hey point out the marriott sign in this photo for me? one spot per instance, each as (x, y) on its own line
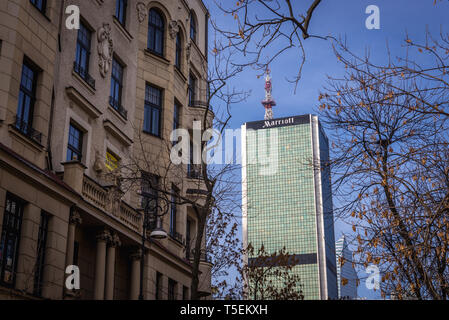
(275, 123)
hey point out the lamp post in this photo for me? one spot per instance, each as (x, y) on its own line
(152, 214)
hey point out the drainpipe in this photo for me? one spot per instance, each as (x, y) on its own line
(55, 89)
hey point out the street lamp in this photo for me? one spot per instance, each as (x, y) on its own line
(152, 220)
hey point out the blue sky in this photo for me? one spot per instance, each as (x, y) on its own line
(344, 18)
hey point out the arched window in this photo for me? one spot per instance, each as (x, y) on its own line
(192, 27)
(155, 32)
(178, 53)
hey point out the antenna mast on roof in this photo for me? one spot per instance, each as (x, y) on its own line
(268, 102)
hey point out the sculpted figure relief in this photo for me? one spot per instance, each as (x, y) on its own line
(188, 46)
(105, 49)
(173, 28)
(141, 11)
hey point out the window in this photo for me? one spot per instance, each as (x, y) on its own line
(9, 243)
(176, 121)
(173, 212)
(194, 169)
(112, 161)
(40, 5)
(176, 115)
(40, 259)
(178, 52)
(153, 110)
(158, 294)
(81, 65)
(192, 27)
(192, 89)
(195, 164)
(75, 144)
(188, 228)
(120, 11)
(185, 293)
(171, 289)
(149, 187)
(190, 164)
(27, 98)
(155, 32)
(115, 99)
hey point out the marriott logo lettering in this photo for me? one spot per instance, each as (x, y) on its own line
(275, 123)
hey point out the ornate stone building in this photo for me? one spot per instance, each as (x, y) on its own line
(74, 105)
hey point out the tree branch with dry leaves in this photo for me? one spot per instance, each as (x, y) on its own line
(390, 165)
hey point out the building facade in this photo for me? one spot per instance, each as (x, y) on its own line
(287, 198)
(347, 278)
(75, 105)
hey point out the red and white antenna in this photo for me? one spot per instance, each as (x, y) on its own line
(268, 102)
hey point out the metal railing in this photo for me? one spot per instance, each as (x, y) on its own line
(26, 129)
(84, 74)
(117, 106)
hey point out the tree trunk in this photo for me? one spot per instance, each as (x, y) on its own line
(194, 295)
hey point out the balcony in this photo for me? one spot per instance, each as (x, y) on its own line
(198, 104)
(27, 130)
(204, 256)
(84, 74)
(118, 107)
(197, 108)
(177, 237)
(104, 199)
(205, 266)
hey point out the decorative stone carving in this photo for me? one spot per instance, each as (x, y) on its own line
(115, 240)
(104, 235)
(99, 166)
(75, 218)
(105, 49)
(136, 255)
(173, 28)
(141, 11)
(114, 196)
(188, 46)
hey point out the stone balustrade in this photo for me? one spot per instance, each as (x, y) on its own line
(94, 193)
(101, 198)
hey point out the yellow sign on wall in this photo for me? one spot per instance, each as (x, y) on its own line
(111, 161)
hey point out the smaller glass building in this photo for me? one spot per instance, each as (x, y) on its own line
(346, 275)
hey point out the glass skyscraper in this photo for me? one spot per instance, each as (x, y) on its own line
(287, 198)
(346, 275)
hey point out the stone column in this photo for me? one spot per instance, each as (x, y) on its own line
(74, 221)
(135, 275)
(27, 248)
(55, 255)
(147, 276)
(110, 267)
(100, 264)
